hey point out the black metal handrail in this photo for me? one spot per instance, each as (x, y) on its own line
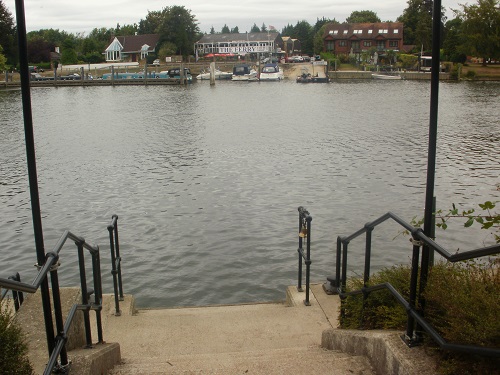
(304, 232)
(57, 344)
(419, 239)
(116, 263)
(18, 297)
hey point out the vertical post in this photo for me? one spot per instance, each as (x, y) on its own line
(85, 295)
(54, 280)
(32, 172)
(308, 258)
(368, 254)
(299, 284)
(113, 270)
(118, 257)
(338, 263)
(344, 266)
(212, 73)
(410, 338)
(96, 268)
(431, 156)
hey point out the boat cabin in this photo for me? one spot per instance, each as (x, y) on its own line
(241, 70)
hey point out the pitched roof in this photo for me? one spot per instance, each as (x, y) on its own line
(378, 30)
(228, 38)
(134, 43)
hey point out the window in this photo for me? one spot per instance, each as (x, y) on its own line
(335, 32)
(393, 43)
(330, 32)
(370, 31)
(342, 43)
(396, 31)
(358, 31)
(345, 31)
(367, 44)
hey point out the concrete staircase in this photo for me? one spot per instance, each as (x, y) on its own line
(267, 338)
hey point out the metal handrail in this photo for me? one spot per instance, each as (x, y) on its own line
(57, 344)
(116, 263)
(419, 239)
(304, 232)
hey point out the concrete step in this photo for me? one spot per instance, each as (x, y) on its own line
(305, 360)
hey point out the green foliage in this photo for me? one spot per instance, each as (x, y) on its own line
(462, 302)
(486, 217)
(13, 348)
(3, 60)
(469, 314)
(480, 29)
(407, 61)
(362, 16)
(178, 26)
(8, 35)
(381, 310)
(225, 29)
(255, 29)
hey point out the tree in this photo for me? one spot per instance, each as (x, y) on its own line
(235, 30)
(68, 53)
(452, 41)
(39, 49)
(480, 29)
(263, 28)
(317, 33)
(8, 35)
(302, 31)
(3, 60)
(151, 24)
(255, 29)
(212, 30)
(362, 16)
(179, 26)
(225, 29)
(128, 30)
(288, 30)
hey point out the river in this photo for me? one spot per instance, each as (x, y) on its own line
(206, 181)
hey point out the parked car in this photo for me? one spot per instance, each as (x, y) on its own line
(70, 77)
(35, 69)
(295, 59)
(306, 58)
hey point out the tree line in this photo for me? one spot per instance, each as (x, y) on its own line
(474, 30)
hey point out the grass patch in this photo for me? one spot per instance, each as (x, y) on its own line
(462, 302)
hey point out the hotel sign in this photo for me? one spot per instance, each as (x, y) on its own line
(244, 49)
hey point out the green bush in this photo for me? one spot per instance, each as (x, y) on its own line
(13, 348)
(381, 310)
(471, 74)
(462, 301)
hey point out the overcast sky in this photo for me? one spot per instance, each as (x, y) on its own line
(84, 16)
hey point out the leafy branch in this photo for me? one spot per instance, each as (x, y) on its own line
(486, 217)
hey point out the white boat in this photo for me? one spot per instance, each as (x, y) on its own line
(271, 72)
(244, 72)
(386, 76)
(218, 74)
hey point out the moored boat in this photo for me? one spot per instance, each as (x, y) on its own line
(243, 72)
(271, 72)
(218, 74)
(385, 76)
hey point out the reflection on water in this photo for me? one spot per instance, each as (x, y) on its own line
(207, 180)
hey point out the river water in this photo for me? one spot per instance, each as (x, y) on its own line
(207, 180)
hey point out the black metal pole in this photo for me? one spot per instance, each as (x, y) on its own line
(32, 174)
(431, 155)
